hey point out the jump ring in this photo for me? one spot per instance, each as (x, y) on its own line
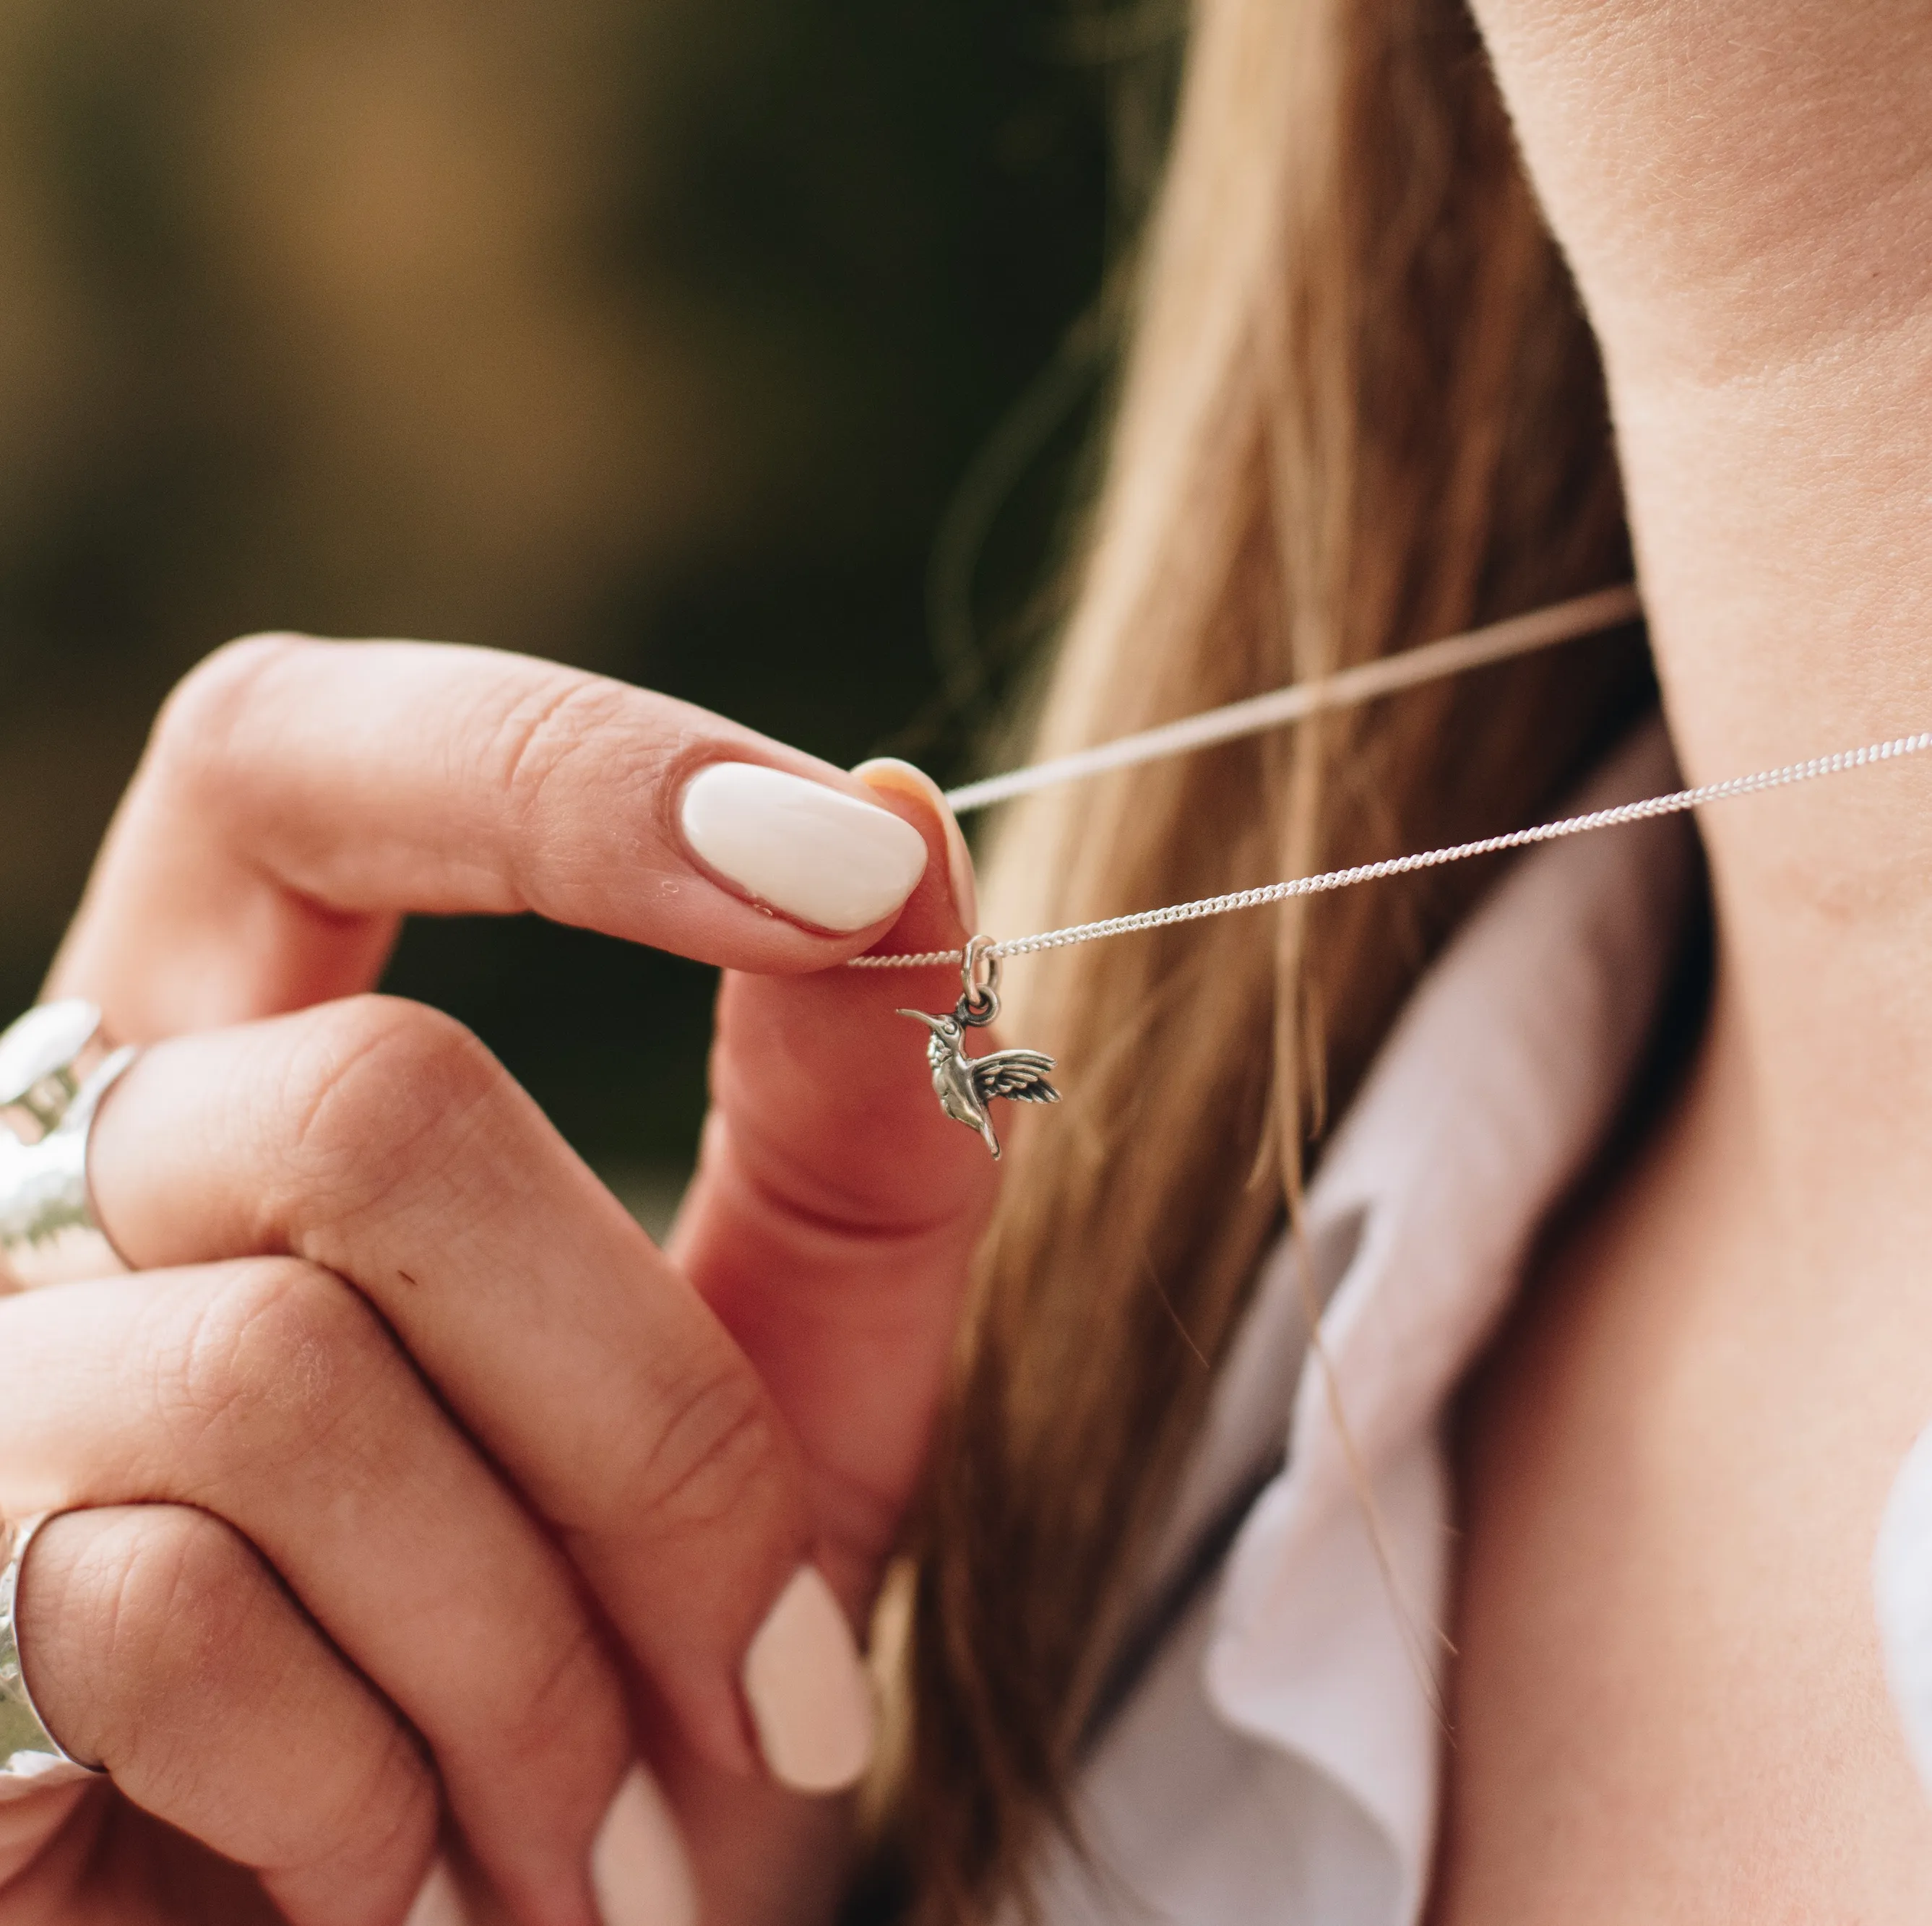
(980, 969)
(31, 1760)
(980, 981)
(52, 1073)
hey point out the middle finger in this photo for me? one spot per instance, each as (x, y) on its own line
(380, 1140)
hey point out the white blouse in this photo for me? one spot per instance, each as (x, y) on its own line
(1278, 1758)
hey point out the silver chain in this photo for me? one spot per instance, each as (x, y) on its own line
(1672, 804)
(1346, 688)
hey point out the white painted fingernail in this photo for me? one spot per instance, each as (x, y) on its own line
(1902, 1586)
(827, 859)
(811, 1699)
(439, 1903)
(638, 1868)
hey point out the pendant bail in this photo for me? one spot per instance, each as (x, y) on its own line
(979, 980)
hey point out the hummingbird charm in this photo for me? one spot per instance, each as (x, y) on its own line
(965, 1085)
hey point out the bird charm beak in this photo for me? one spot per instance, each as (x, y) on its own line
(966, 1085)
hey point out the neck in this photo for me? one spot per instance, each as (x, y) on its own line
(1780, 524)
(1763, 296)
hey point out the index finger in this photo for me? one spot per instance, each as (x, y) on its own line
(298, 798)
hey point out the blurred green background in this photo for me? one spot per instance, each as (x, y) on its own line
(750, 350)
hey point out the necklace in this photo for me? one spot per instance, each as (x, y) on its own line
(1498, 642)
(967, 1085)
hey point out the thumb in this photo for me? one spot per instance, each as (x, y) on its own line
(835, 1209)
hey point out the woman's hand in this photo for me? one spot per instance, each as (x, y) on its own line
(409, 1486)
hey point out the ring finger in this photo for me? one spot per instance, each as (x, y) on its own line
(266, 1394)
(163, 1649)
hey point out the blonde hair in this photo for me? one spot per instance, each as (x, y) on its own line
(1361, 409)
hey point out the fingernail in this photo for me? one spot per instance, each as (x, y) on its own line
(639, 1871)
(827, 859)
(439, 1903)
(811, 1700)
(889, 772)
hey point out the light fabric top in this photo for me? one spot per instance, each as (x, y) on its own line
(1278, 1757)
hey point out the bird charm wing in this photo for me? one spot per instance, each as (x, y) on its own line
(1018, 1074)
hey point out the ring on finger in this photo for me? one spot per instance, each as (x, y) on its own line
(31, 1760)
(55, 1068)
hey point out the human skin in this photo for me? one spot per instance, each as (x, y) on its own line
(421, 1493)
(1670, 1705)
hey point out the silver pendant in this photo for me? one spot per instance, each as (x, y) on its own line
(966, 1085)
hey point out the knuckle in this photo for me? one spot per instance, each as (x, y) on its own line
(384, 1814)
(380, 1092)
(716, 1451)
(156, 1600)
(564, 1720)
(155, 1611)
(187, 1600)
(195, 732)
(276, 1353)
(544, 731)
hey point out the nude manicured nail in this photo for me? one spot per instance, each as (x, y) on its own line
(638, 1868)
(806, 1685)
(812, 853)
(439, 1903)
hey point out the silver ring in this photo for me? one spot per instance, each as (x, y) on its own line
(55, 1068)
(31, 1760)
